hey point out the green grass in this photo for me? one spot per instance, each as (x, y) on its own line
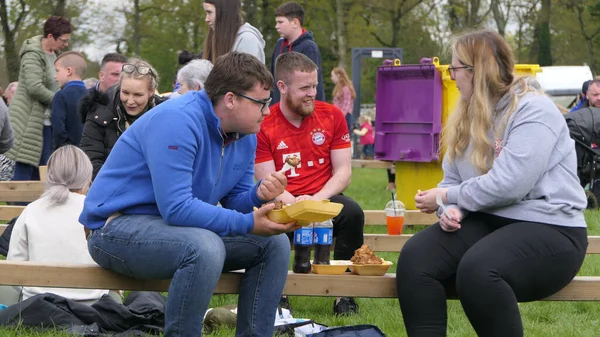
(540, 319)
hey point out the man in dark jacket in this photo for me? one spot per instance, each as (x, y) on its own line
(289, 19)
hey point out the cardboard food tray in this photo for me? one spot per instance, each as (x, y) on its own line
(371, 269)
(335, 267)
(307, 211)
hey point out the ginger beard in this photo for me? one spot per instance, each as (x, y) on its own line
(302, 107)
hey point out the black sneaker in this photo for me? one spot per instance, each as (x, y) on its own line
(345, 307)
(284, 303)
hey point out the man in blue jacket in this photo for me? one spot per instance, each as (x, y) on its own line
(151, 212)
(289, 19)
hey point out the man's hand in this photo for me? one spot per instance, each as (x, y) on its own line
(304, 197)
(272, 186)
(265, 227)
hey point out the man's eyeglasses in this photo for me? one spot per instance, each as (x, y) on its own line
(142, 70)
(452, 70)
(63, 40)
(265, 104)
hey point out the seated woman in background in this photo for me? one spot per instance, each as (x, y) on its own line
(108, 115)
(48, 230)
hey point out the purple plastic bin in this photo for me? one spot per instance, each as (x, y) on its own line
(408, 113)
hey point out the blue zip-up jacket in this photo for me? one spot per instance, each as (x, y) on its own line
(173, 162)
(66, 124)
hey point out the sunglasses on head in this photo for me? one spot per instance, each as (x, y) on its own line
(142, 70)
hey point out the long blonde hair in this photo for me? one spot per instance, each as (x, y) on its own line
(492, 66)
(343, 81)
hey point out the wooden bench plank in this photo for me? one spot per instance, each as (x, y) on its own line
(7, 213)
(21, 190)
(394, 243)
(411, 217)
(372, 217)
(372, 164)
(582, 288)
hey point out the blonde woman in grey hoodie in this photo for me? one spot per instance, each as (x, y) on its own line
(510, 205)
(228, 32)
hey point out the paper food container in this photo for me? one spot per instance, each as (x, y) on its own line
(307, 211)
(336, 267)
(371, 269)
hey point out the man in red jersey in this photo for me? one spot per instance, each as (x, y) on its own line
(316, 132)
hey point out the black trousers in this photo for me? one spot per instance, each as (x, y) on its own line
(491, 264)
(348, 228)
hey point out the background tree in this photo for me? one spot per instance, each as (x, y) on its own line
(467, 14)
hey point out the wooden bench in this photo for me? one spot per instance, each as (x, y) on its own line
(582, 288)
(31, 190)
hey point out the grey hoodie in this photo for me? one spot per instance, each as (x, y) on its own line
(534, 175)
(250, 40)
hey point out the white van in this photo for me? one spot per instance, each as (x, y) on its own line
(563, 83)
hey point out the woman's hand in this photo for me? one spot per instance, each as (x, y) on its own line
(425, 200)
(452, 223)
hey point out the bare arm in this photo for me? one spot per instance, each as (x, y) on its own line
(341, 163)
(265, 169)
(362, 132)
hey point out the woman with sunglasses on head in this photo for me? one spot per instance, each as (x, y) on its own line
(511, 223)
(108, 115)
(228, 32)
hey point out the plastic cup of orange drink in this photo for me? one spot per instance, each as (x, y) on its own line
(394, 214)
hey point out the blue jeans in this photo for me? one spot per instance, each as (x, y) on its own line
(146, 247)
(368, 151)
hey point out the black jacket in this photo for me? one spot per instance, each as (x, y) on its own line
(105, 120)
(304, 44)
(142, 313)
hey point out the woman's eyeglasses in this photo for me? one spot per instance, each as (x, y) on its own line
(265, 104)
(452, 70)
(142, 70)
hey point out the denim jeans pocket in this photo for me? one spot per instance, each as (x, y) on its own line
(111, 262)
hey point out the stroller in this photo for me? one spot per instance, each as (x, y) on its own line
(584, 128)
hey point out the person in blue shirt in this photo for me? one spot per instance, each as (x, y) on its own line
(583, 101)
(151, 212)
(67, 127)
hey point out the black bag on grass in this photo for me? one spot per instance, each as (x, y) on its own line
(363, 330)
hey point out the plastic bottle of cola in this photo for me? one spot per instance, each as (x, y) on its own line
(303, 240)
(323, 233)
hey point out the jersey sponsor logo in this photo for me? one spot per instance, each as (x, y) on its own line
(346, 138)
(318, 136)
(282, 145)
(292, 172)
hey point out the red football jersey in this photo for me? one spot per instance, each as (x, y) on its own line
(323, 131)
